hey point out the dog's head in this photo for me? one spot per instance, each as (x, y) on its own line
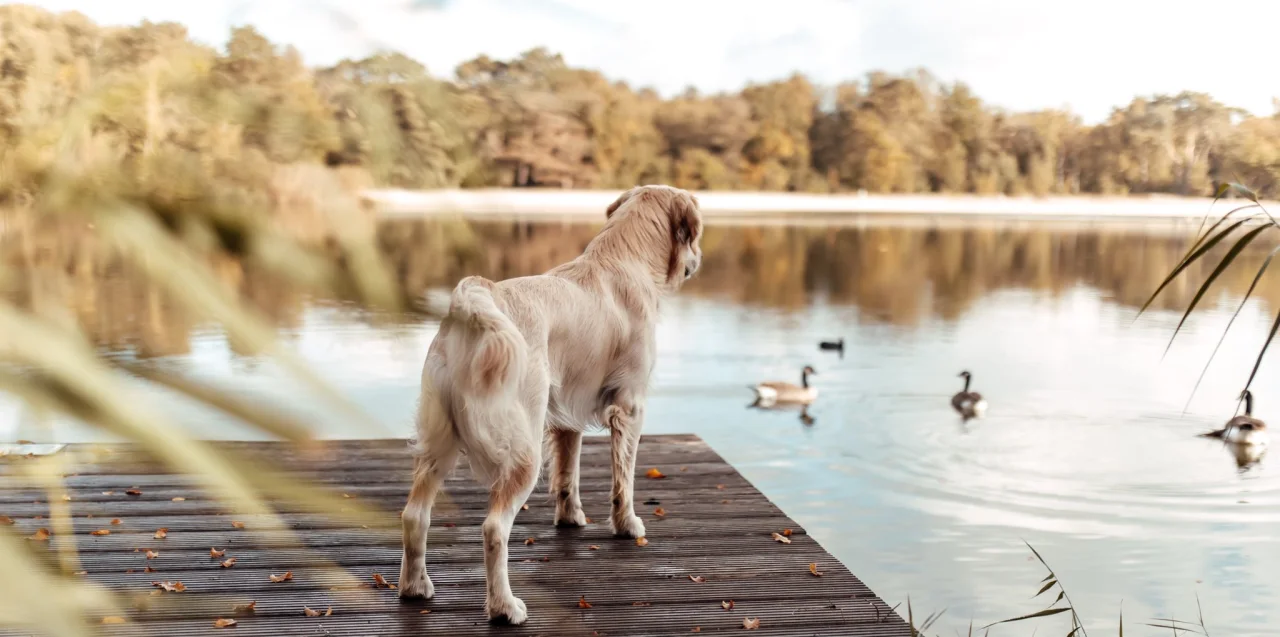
(671, 217)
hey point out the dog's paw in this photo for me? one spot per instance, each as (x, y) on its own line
(630, 526)
(573, 517)
(416, 587)
(510, 610)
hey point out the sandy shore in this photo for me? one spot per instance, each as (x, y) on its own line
(747, 206)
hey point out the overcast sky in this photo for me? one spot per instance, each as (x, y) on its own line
(1089, 55)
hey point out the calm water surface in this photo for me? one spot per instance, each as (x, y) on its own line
(1086, 451)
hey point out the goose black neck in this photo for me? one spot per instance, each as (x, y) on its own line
(967, 378)
(804, 378)
(1248, 403)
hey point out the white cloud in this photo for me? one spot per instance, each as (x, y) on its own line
(1088, 54)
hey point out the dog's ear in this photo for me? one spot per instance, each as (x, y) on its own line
(686, 222)
(613, 207)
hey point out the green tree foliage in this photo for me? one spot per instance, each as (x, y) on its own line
(156, 96)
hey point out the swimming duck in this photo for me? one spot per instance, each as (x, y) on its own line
(780, 392)
(970, 404)
(1243, 430)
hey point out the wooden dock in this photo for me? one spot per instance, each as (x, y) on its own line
(711, 561)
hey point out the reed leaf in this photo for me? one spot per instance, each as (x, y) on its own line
(1213, 276)
(1199, 252)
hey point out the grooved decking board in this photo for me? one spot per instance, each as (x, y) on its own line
(716, 526)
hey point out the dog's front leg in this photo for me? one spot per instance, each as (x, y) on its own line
(566, 449)
(624, 419)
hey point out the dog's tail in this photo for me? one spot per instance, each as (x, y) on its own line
(498, 349)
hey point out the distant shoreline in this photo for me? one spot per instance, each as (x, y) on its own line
(755, 207)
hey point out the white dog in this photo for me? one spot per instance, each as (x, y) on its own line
(552, 354)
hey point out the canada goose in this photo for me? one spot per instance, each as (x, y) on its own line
(780, 392)
(1243, 430)
(837, 346)
(970, 404)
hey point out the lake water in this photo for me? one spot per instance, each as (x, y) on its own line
(1086, 452)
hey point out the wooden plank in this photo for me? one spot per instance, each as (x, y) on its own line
(715, 525)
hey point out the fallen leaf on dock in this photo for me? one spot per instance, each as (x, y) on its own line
(224, 623)
(642, 542)
(424, 612)
(381, 582)
(310, 613)
(642, 603)
(100, 532)
(216, 553)
(660, 512)
(654, 474)
(528, 541)
(786, 532)
(238, 525)
(151, 555)
(583, 603)
(161, 534)
(781, 538)
(242, 609)
(41, 535)
(750, 623)
(287, 577)
(813, 568)
(179, 499)
(727, 605)
(696, 629)
(133, 492)
(697, 579)
(524, 507)
(6, 520)
(169, 587)
(229, 562)
(594, 547)
(117, 521)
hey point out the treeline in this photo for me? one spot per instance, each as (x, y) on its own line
(149, 96)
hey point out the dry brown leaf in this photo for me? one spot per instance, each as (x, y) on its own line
(786, 532)
(696, 629)
(424, 612)
(112, 619)
(654, 474)
(750, 623)
(148, 570)
(224, 623)
(727, 605)
(720, 486)
(108, 493)
(179, 499)
(41, 535)
(133, 492)
(244, 609)
(6, 520)
(229, 562)
(594, 547)
(528, 541)
(781, 538)
(66, 498)
(697, 579)
(161, 534)
(216, 553)
(151, 555)
(381, 582)
(642, 603)
(81, 573)
(328, 612)
(348, 496)
(170, 587)
(660, 512)
(117, 521)
(310, 613)
(100, 532)
(287, 577)
(583, 603)
(813, 569)
(642, 542)
(238, 525)
(524, 507)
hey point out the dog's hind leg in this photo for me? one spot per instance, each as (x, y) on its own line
(430, 469)
(624, 419)
(566, 449)
(509, 492)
